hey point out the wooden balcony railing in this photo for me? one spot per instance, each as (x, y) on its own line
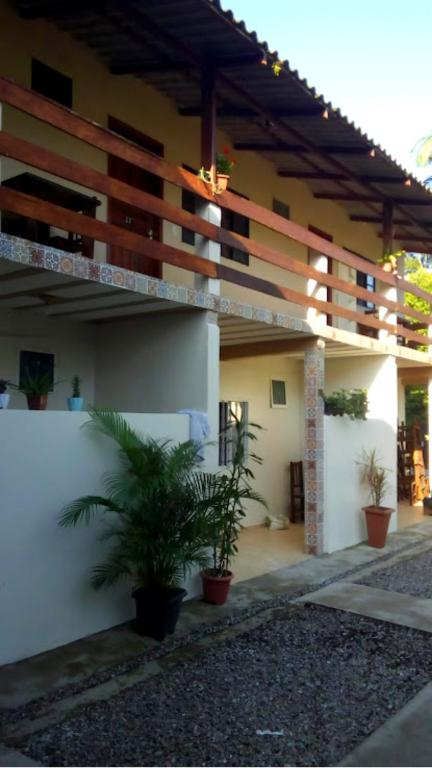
(105, 140)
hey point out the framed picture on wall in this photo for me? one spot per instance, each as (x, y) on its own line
(35, 364)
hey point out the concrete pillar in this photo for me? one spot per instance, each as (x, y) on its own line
(386, 315)
(207, 248)
(314, 449)
(211, 251)
(316, 289)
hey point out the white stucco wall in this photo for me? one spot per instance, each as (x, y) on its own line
(45, 596)
(344, 441)
(161, 363)
(72, 344)
(281, 439)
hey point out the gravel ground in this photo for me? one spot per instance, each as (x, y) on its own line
(321, 679)
(411, 576)
(34, 708)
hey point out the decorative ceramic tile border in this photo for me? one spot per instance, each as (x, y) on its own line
(314, 451)
(45, 257)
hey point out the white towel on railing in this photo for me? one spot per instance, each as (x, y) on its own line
(199, 429)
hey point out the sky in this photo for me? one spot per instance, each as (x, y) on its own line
(372, 59)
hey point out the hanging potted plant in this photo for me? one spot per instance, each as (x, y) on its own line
(375, 478)
(4, 395)
(155, 522)
(224, 495)
(75, 402)
(224, 166)
(389, 261)
(36, 386)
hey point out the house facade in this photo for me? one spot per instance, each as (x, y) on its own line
(120, 264)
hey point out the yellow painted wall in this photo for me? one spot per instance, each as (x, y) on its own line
(97, 94)
(282, 437)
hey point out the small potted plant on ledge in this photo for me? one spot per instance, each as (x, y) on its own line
(389, 261)
(75, 402)
(155, 522)
(4, 395)
(223, 495)
(36, 387)
(224, 166)
(375, 477)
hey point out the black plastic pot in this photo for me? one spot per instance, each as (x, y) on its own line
(427, 505)
(157, 610)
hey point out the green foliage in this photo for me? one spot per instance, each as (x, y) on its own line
(373, 475)
(422, 277)
(352, 403)
(150, 511)
(423, 151)
(416, 405)
(223, 496)
(390, 257)
(39, 383)
(267, 521)
(224, 162)
(76, 386)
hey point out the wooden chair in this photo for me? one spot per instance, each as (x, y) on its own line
(297, 491)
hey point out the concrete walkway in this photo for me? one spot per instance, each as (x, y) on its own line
(48, 688)
(378, 604)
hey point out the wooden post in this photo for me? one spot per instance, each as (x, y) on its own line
(388, 227)
(208, 119)
(389, 292)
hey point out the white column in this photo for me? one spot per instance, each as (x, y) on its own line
(316, 289)
(206, 248)
(387, 315)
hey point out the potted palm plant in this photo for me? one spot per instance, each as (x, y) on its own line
(75, 402)
(224, 495)
(224, 166)
(375, 477)
(36, 386)
(155, 522)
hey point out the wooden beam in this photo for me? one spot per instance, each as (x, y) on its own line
(19, 274)
(248, 112)
(327, 307)
(148, 67)
(327, 175)
(410, 238)
(32, 208)
(369, 198)
(43, 159)
(263, 348)
(60, 7)
(378, 220)
(300, 148)
(388, 228)
(208, 119)
(42, 290)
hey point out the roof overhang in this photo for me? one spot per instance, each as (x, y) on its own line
(170, 44)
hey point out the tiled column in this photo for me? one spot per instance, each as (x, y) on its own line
(314, 449)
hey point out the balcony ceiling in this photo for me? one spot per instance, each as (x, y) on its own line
(167, 43)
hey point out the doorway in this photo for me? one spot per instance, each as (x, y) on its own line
(128, 216)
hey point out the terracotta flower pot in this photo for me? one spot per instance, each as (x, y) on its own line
(222, 181)
(215, 588)
(377, 522)
(37, 402)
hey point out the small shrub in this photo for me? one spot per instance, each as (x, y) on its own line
(352, 403)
